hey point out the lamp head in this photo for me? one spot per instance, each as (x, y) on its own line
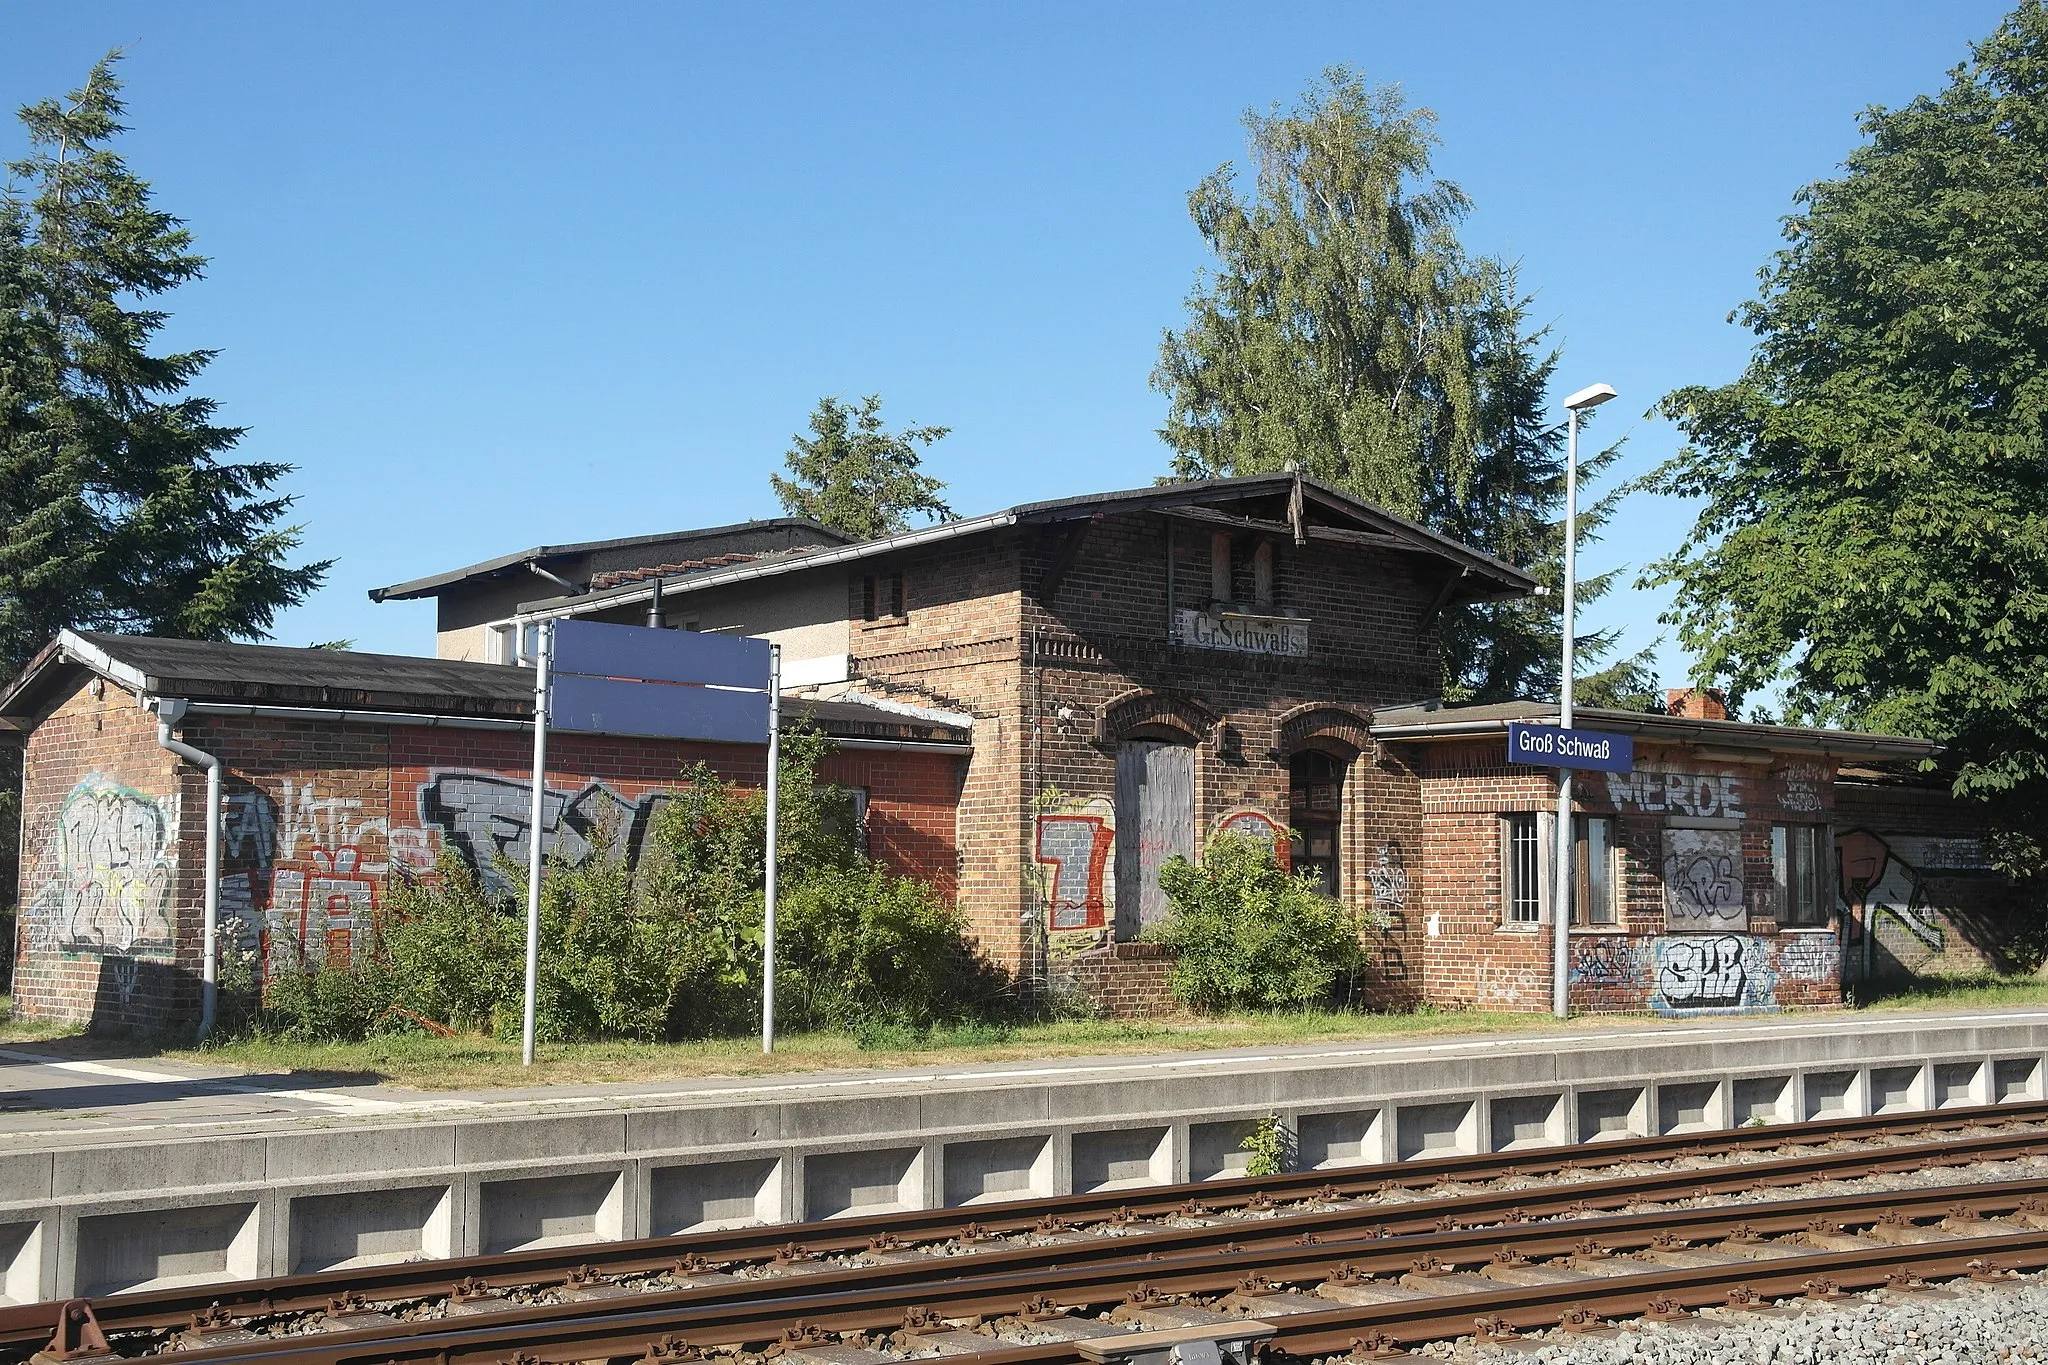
(1591, 396)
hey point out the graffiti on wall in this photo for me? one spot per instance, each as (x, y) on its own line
(1884, 891)
(1075, 847)
(1813, 958)
(1607, 962)
(1389, 877)
(1713, 972)
(1710, 795)
(107, 889)
(1703, 880)
(1804, 781)
(486, 818)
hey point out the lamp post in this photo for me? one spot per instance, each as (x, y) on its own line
(1560, 907)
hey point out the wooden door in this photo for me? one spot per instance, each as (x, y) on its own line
(1155, 819)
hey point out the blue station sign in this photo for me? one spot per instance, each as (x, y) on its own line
(1551, 746)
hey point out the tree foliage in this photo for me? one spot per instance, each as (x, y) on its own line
(118, 507)
(1875, 536)
(1346, 332)
(856, 476)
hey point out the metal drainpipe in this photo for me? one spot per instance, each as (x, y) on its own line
(169, 711)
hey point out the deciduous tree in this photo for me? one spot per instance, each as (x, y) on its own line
(1874, 542)
(1345, 331)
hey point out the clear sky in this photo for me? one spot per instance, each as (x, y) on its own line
(494, 275)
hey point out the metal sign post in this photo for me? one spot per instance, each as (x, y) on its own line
(544, 652)
(593, 677)
(774, 790)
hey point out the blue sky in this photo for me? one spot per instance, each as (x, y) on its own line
(495, 275)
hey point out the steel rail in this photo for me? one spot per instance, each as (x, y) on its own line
(875, 1298)
(167, 1308)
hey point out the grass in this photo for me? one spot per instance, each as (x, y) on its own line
(473, 1062)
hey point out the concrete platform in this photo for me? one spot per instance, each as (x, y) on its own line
(125, 1175)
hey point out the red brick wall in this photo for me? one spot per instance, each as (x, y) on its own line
(103, 869)
(318, 815)
(1117, 981)
(1639, 964)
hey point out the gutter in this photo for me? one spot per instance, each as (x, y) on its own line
(252, 709)
(169, 711)
(1898, 748)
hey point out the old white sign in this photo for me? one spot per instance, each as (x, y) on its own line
(1243, 633)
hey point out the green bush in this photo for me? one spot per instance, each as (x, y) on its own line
(672, 952)
(1250, 936)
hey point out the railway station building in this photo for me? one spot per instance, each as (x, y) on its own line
(1039, 706)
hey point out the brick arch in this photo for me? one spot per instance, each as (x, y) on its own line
(1144, 711)
(1323, 725)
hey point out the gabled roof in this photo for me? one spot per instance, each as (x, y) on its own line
(1476, 575)
(1435, 721)
(795, 528)
(331, 680)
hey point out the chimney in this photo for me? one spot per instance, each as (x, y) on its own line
(1695, 704)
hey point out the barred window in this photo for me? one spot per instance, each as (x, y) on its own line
(1798, 866)
(1524, 869)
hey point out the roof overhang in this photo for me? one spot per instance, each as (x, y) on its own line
(1729, 740)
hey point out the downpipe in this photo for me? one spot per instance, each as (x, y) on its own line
(169, 711)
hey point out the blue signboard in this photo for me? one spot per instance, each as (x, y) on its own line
(602, 650)
(660, 684)
(1548, 746)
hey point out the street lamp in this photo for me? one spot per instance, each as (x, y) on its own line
(1560, 911)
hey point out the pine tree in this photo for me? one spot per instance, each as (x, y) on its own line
(855, 476)
(118, 508)
(1346, 332)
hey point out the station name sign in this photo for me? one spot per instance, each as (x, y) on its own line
(1551, 746)
(1244, 633)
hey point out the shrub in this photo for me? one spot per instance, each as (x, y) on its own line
(1249, 935)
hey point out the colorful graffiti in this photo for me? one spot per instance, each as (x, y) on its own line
(1709, 795)
(1719, 972)
(108, 889)
(1703, 880)
(1074, 844)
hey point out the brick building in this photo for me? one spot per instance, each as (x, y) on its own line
(1043, 705)
(340, 772)
(1145, 668)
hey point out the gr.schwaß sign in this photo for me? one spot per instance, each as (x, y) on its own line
(1550, 746)
(1244, 633)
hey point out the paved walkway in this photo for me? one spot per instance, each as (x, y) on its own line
(47, 1099)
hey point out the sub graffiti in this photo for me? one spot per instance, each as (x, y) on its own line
(1722, 972)
(1256, 824)
(110, 895)
(1804, 783)
(1702, 794)
(1703, 880)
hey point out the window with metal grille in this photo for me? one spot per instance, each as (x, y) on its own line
(1524, 869)
(1798, 866)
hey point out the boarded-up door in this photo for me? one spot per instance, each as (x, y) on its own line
(1155, 819)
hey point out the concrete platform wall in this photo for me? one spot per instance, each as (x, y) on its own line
(94, 1218)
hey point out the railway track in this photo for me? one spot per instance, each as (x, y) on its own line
(1408, 1252)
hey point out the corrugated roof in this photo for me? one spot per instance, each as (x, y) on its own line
(1435, 721)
